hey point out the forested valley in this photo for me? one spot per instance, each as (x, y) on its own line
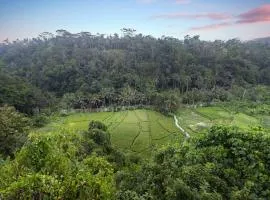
(95, 116)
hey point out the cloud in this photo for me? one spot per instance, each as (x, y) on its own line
(210, 27)
(182, 1)
(260, 14)
(213, 16)
(256, 15)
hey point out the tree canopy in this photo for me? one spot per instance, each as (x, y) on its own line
(90, 71)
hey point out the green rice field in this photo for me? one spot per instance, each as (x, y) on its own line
(136, 130)
(141, 130)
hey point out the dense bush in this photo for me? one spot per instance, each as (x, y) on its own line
(40, 120)
(50, 167)
(13, 130)
(97, 125)
(166, 102)
(223, 164)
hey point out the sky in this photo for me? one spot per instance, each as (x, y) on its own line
(211, 19)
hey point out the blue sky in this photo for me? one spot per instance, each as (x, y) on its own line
(212, 19)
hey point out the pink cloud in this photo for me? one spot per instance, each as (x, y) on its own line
(260, 14)
(211, 27)
(256, 15)
(213, 16)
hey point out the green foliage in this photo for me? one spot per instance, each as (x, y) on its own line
(86, 71)
(166, 102)
(97, 125)
(223, 164)
(97, 132)
(205, 96)
(34, 186)
(23, 96)
(51, 167)
(100, 137)
(13, 130)
(40, 120)
(68, 100)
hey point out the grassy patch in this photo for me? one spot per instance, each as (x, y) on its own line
(214, 113)
(192, 121)
(196, 120)
(244, 121)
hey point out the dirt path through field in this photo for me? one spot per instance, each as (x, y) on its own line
(181, 129)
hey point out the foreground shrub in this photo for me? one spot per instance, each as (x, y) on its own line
(225, 163)
(50, 167)
(13, 130)
(97, 125)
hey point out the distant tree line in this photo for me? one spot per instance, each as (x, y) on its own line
(83, 70)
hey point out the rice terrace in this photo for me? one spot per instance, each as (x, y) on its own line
(141, 130)
(135, 130)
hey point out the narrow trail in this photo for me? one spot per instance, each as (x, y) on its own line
(139, 122)
(149, 130)
(112, 126)
(139, 132)
(181, 129)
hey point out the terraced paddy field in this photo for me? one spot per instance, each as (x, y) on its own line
(141, 130)
(136, 130)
